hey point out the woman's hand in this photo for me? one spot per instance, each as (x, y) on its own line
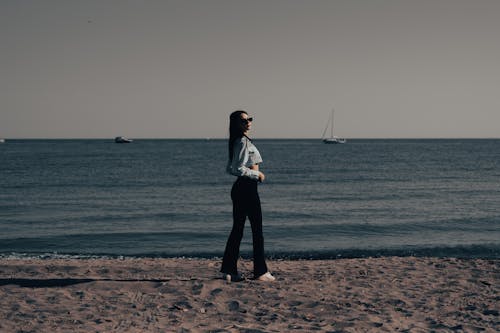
(261, 177)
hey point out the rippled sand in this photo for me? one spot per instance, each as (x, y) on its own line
(187, 295)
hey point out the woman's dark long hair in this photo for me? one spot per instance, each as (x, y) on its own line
(235, 130)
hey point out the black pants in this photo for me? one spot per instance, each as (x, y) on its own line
(246, 202)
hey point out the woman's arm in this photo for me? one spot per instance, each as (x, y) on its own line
(255, 167)
(240, 158)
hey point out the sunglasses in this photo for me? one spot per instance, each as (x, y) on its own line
(246, 121)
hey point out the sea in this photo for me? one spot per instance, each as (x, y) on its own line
(171, 198)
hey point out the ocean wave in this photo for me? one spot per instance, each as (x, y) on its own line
(491, 251)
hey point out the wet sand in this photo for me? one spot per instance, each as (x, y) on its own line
(390, 294)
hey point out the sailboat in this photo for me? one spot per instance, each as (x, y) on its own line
(332, 138)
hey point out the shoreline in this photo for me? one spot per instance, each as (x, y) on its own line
(472, 251)
(386, 294)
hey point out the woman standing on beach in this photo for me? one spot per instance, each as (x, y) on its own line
(244, 159)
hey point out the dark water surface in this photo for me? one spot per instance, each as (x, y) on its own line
(171, 198)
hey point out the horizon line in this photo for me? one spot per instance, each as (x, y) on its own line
(258, 138)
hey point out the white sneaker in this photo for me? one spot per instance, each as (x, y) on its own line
(266, 277)
(232, 277)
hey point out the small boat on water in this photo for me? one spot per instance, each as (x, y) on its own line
(2, 140)
(332, 139)
(122, 139)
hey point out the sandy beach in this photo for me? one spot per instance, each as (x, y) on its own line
(393, 294)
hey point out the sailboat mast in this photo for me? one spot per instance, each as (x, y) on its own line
(333, 110)
(326, 127)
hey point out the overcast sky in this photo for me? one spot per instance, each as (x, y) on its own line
(176, 69)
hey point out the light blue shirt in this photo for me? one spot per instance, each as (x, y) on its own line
(245, 154)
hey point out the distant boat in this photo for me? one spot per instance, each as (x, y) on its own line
(2, 140)
(122, 139)
(332, 139)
